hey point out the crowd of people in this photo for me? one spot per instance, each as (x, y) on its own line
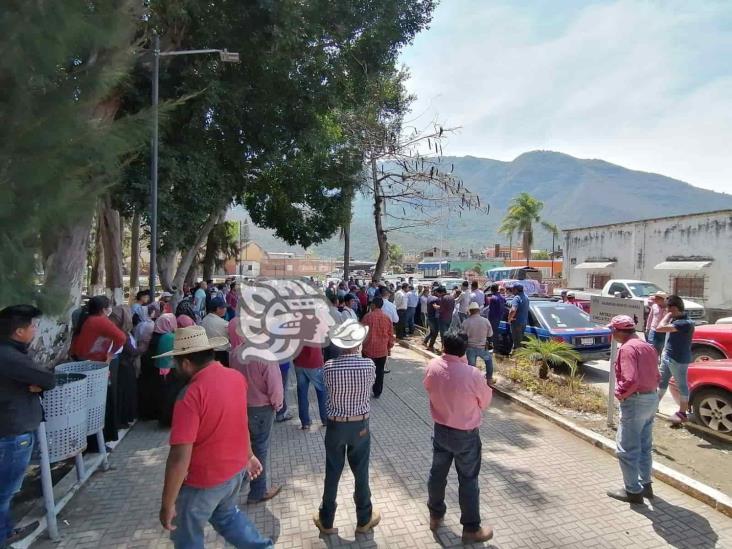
(178, 360)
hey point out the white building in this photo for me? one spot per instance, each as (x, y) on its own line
(689, 255)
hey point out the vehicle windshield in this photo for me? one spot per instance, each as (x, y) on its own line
(565, 316)
(643, 289)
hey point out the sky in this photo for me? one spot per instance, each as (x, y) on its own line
(644, 84)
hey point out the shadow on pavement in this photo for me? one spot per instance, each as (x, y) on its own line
(679, 527)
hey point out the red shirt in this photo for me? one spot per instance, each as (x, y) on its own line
(211, 414)
(380, 338)
(98, 337)
(636, 369)
(458, 392)
(310, 357)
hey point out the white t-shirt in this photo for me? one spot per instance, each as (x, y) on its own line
(216, 327)
(464, 302)
(390, 311)
(400, 300)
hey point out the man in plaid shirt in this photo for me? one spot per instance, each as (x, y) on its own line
(348, 379)
(379, 341)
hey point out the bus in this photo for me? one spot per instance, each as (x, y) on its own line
(514, 273)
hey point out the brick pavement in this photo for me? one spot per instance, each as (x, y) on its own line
(540, 488)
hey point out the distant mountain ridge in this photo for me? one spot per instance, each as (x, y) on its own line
(576, 192)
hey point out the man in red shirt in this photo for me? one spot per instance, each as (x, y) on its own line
(210, 452)
(379, 341)
(309, 370)
(636, 385)
(458, 395)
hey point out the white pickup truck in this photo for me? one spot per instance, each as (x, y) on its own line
(639, 290)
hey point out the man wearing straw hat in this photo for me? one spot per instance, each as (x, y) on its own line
(210, 452)
(349, 379)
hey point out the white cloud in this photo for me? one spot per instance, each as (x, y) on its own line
(647, 85)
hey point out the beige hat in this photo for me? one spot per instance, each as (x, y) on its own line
(348, 335)
(473, 306)
(662, 294)
(193, 339)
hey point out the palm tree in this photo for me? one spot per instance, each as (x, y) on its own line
(523, 212)
(508, 227)
(543, 352)
(554, 231)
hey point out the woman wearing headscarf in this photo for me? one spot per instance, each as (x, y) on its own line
(170, 382)
(185, 314)
(127, 376)
(150, 382)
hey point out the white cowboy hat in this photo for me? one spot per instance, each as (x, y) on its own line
(348, 335)
(193, 339)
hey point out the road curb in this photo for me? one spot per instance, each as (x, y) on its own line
(706, 494)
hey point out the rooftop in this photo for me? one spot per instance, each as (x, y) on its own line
(698, 214)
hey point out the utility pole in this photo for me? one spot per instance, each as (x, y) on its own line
(154, 169)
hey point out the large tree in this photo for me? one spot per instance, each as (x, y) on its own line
(61, 147)
(523, 212)
(264, 133)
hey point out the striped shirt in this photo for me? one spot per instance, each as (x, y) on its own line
(349, 379)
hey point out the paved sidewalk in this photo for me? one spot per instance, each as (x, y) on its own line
(540, 487)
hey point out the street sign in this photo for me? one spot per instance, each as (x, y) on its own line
(603, 309)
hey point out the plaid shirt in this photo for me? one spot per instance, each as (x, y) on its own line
(381, 334)
(349, 379)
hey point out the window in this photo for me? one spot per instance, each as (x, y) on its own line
(249, 268)
(597, 281)
(617, 287)
(688, 286)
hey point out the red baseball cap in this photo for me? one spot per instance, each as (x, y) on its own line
(622, 322)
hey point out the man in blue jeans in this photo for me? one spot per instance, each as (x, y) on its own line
(518, 316)
(676, 356)
(636, 382)
(210, 452)
(479, 333)
(284, 414)
(309, 370)
(21, 381)
(458, 395)
(349, 379)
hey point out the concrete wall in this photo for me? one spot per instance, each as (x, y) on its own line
(639, 246)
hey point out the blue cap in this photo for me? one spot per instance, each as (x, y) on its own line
(218, 302)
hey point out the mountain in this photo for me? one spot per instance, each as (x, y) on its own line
(576, 192)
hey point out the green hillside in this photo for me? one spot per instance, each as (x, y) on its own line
(575, 192)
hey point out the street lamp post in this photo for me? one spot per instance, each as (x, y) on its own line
(225, 57)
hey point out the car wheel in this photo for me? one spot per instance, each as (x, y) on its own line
(713, 409)
(701, 354)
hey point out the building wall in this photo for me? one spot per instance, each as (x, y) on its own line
(544, 265)
(637, 247)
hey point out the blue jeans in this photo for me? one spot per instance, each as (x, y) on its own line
(217, 505)
(351, 439)
(15, 453)
(635, 440)
(658, 340)
(443, 326)
(669, 367)
(306, 376)
(464, 448)
(285, 371)
(261, 419)
(410, 319)
(472, 355)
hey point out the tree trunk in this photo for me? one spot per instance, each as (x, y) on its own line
(191, 275)
(64, 269)
(135, 255)
(111, 235)
(96, 285)
(526, 242)
(379, 224)
(190, 254)
(209, 258)
(166, 269)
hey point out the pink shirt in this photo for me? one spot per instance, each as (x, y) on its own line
(636, 369)
(264, 381)
(655, 315)
(458, 392)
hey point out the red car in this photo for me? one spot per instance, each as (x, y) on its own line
(712, 342)
(710, 393)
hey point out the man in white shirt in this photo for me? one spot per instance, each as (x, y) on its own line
(216, 326)
(388, 308)
(463, 301)
(412, 302)
(401, 304)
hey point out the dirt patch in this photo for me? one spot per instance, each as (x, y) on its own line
(697, 455)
